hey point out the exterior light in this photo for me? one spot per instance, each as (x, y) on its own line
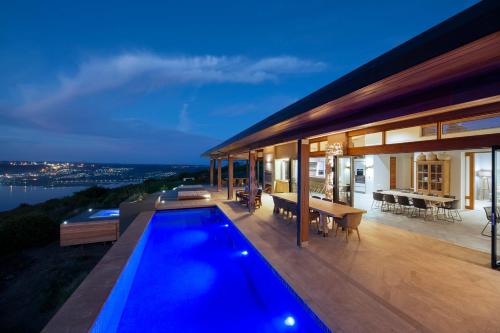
(163, 191)
(163, 201)
(65, 222)
(290, 321)
(90, 209)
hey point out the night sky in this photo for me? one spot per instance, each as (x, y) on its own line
(162, 82)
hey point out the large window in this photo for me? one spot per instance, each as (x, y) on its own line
(371, 139)
(411, 134)
(318, 146)
(471, 126)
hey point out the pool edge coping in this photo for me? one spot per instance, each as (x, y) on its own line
(82, 308)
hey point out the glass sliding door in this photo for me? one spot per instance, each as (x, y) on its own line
(495, 204)
(344, 180)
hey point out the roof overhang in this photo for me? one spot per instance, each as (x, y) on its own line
(456, 62)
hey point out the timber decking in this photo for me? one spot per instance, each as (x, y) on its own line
(392, 281)
(89, 232)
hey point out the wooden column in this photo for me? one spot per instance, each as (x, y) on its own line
(230, 178)
(211, 172)
(219, 174)
(303, 193)
(252, 186)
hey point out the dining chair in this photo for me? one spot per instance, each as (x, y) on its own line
(347, 223)
(378, 200)
(403, 205)
(450, 209)
(488, 210)
(389, 202)
(291, 209)
(276, 208)
(419, 205)
(314, 217)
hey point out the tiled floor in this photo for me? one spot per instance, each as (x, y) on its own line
(465, 233)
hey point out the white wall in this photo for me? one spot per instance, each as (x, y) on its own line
(403, 170)
(457, 175)
(377, 178)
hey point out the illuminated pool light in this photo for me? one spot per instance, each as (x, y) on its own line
(290, 321)
(225, 225)
(245, 252)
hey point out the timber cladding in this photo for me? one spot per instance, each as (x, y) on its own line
(89, 232)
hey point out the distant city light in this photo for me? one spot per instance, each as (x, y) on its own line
(245, 252)
(290, 321)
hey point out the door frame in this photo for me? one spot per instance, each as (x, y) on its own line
(393, 172)
(472, 189)
(495, 263)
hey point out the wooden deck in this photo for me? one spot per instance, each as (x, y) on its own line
(391, 281)
(89, 232)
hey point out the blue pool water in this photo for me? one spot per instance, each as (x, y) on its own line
(193, 271)
(105, 213)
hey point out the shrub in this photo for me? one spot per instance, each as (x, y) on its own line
(25, 231)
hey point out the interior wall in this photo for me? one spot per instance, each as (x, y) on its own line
(288, 150)
(457, 175)
(377, 178)
(403, 170)
(268, 159)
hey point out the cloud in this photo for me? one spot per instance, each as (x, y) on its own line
(97, 111)
(184, 121)
(144, 71)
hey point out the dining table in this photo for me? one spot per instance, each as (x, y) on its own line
(432, 198)
(325, 209)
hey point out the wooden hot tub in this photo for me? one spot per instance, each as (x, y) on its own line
(91, 227)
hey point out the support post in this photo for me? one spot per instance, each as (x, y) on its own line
(230, 179)
(219, 174)
(252, 188)
(211, 172)
(303, 193)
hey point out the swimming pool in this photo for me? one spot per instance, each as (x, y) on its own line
(193, 271)
(104, 213)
